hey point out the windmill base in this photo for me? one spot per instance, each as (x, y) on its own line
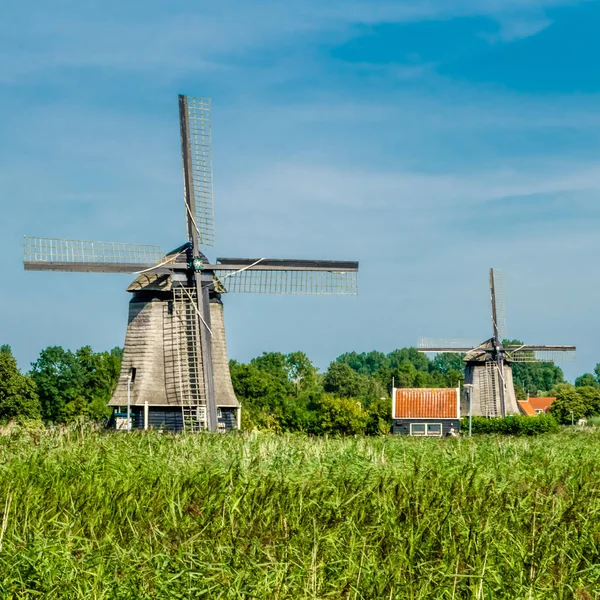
(486, 391)
(158, 363)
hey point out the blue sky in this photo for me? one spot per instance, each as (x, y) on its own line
(429, 140)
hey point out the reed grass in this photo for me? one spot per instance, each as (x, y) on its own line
(147, 515)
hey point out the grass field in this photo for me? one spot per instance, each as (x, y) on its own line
(100, 515)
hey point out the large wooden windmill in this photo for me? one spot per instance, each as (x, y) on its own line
(175, 370)
(488, 365)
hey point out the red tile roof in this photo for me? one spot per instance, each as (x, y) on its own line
(425, 403)
(541, 403)
(526, 408)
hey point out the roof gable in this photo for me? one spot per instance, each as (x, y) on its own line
(541, 403)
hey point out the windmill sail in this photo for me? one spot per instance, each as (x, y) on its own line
(196, 152)
(445, 345)
(497, 298)
(281, 276)
(50, 254)
(527, 353)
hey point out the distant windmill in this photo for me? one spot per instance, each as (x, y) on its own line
(488, 365)
(175, 369)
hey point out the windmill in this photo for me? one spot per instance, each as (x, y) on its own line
(175, 369)
(488, 365)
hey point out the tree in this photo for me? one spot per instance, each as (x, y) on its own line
(338, 416)
(273, 363)
(379, 417)
(73, 384)
(536, 377)
(301, 372)
(447, 362)
(590, 395)
(367, 363)
(587, 379)
(342, 381)
(265, 398)
(569, 405)
(18, 398)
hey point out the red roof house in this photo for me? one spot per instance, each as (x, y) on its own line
(536, 406)
(425, 411)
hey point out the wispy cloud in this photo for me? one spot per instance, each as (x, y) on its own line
(197, 37)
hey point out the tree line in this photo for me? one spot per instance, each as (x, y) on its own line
(279, 392)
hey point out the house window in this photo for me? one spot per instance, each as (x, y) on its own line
(538, 411)
(434, 429)
(418, 429)
(426, 429)
(219, 413)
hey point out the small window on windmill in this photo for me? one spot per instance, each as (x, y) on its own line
(132, 373)
(170, 307)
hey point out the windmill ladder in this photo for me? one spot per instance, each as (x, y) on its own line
(488, 389)
(183, 380)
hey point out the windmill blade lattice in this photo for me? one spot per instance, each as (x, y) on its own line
(283, 281)
(194, 115)
(530, 354)
(440, 345)
(52, 254)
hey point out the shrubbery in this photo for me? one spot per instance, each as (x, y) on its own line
(512, 425)
(286, 393)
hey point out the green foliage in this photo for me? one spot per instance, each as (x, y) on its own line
(338, 416)
(512, 425)
(448, 362)
(535, 377)
(18, 397)
(586, 380)
(148, 516)
(343, 381)
(573, 403)
(75, 384)
(379, 417)
(407, 367)
(275, 391)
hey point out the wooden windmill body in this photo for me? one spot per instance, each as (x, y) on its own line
(488, 365)
(175, 369)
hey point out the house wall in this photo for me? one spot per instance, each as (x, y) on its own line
(228, 417)
(402, 426)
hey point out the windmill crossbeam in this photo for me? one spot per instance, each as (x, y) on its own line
(531, 348)
(84, 267)
(442, 350)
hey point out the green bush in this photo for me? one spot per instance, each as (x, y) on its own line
(338, 416)
(512, 425)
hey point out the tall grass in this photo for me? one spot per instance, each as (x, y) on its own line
(101, 515)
